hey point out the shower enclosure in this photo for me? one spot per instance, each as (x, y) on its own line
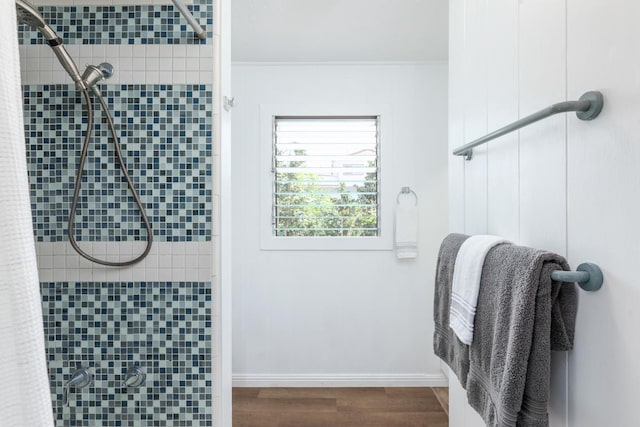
(114, 165)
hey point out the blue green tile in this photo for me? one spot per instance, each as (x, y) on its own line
(143, 24)
(166, 138)
(162, 327)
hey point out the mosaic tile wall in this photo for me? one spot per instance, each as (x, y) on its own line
(165, 134)
(163, 327)
(143, 24)
(158, 314)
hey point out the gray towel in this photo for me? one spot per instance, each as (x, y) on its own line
(521, 316)
(446, 344)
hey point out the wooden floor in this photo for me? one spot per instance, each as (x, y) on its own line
(340, 407)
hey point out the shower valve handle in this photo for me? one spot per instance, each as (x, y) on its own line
(80, 379)
(134, 377)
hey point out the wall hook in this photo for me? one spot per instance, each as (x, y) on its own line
(228, 103)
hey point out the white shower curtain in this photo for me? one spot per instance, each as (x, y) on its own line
(25, 399)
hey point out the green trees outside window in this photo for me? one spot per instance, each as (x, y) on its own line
(304, 205)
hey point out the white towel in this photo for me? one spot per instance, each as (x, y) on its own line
(406, 231)
(25, 399)
(466, 283)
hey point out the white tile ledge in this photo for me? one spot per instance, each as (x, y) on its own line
(167, 261)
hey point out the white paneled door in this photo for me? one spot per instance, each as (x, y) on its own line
(561, 184)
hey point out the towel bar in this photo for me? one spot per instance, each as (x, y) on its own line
(588, 276)
(587, 108)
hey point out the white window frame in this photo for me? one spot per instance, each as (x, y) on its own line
(384, 240)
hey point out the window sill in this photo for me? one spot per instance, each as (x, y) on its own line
(326, 244)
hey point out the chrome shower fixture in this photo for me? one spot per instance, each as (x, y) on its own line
(79, 379)
(28, 14)
(93, 74)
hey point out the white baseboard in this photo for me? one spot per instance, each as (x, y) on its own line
(340, 380)
(445, 369)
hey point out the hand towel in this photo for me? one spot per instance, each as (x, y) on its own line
(25, 399)
(446, 344)
(522, 315)
(466, 283)
(406, 230)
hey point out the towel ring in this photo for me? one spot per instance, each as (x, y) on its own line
(406, 190)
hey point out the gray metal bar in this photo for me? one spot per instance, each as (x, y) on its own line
(570, 276)
(587, 107)
(588, 276)
(200, 32)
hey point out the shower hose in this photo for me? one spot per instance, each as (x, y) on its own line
(123, 168)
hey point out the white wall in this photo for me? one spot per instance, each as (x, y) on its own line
(361, 30)
(561, 184)
(354, 317)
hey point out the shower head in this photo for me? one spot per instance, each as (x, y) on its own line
(28, 14)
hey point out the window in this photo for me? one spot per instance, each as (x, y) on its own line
(325, 176)
(322, 185)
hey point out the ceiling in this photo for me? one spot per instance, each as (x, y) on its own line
(339, 30)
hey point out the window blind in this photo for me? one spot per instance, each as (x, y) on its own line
(325, 176)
